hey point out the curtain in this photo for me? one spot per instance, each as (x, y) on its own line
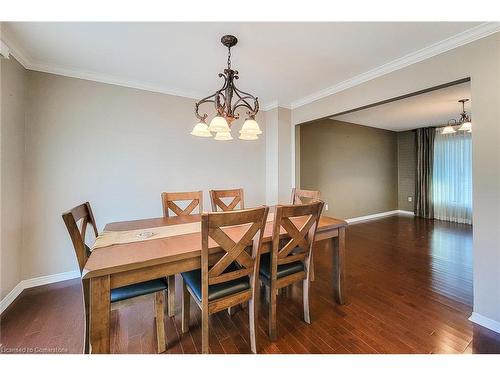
(424, 140)
(452, 177)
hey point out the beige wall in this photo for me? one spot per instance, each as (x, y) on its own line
(13, 79)
(354, 167)
(118, 148)
(278, 155)
(285, 152)
(479, 60)
(406, 170)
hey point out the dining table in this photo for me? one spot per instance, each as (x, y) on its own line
(122, 264)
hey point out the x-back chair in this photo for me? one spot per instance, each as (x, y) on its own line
(83, 213)
(289, 260)
(230, 278)
(300, 196)
(196, 201)
(218, 204)
(194, 207)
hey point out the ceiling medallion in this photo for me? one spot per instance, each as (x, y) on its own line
(226, 108)
(465, 121)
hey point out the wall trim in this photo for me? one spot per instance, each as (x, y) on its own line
(378, 215)
(491, 324)
(36, 281)
(28, 63)
(468, 36)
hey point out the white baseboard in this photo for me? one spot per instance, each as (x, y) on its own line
(36, 281)
(403, 212)
(485, 322)
(379, 215)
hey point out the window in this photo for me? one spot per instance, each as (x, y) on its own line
(452, 177)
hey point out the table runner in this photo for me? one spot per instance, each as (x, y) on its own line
(108, 238)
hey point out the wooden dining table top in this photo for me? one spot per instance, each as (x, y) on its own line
(123, 257)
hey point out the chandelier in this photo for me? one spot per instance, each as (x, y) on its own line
(464, 121)
(227, 100)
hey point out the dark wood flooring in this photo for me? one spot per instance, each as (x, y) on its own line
(410, 291)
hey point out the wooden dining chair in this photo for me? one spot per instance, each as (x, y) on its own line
(195, 199)
(289, 260)
(300, 196)
(83, 214)
(216, 197)
(169, 200)
(230, 278)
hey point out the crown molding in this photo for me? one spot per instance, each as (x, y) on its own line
(465, 37)
(112, 80)
(30, 64)
(273, 105)
(4, 50)
(458, 40)
(15, 51)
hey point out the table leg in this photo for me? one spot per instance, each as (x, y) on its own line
(171, 295)
(339, 266)
(100, 311)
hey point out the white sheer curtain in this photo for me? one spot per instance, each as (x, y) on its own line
(452, 177)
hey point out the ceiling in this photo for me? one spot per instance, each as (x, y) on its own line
(279, 62)
(433, 108)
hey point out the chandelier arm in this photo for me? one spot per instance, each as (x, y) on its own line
(243, 103)
(242, 98)
(241, 92)
(207, 99)
(246, 95)
(250, 111)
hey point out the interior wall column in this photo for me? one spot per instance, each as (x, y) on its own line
(278, 151)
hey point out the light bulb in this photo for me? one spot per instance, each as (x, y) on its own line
(201, 130)
(248, 137)
(250, 127)
(466, 127)
(218, 124)
(223, 136)
(448, 130)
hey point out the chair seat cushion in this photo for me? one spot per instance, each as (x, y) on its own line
(139, 289)
(216, 291)
(283, 269)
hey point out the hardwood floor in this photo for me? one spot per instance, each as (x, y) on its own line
(409, 291)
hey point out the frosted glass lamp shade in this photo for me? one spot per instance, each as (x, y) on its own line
(219, 124)
(223, 136)
(466, 127)
(250, 126)
(201, 130)
(248, 137)
(448, 130)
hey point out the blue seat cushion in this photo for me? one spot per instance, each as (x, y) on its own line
(283, 269)
(216, 291)
(139, 289)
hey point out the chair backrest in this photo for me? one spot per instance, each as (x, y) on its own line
(169, 199)
(304, 196)
(299, 246)
(252, 222)
(71, 218)
(217, 202)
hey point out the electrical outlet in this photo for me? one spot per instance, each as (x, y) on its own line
(326, 206)
(410, 199)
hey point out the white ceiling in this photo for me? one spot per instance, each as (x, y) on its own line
(434, 108)
(279, 62)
